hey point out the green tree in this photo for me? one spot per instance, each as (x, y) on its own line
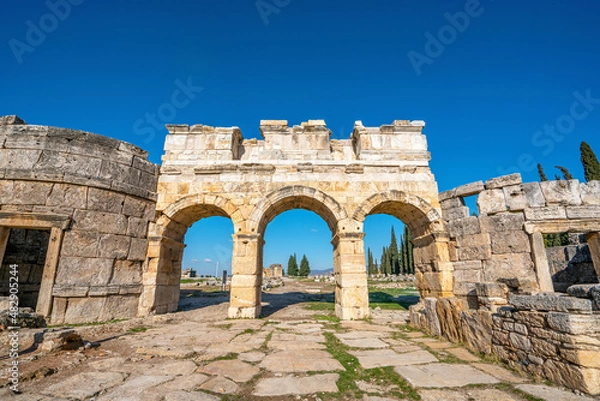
(565, 172)
(591, 166)
(385, 262)
(541, 173)
(393, 250)
(410, 263)
(304, 267)
(292, 266)
(370, 264)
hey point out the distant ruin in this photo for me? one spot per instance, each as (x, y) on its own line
(99, 231)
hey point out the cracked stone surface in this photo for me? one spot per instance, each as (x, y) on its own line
(283, 356)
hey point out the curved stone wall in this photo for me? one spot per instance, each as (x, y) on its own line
(96, 196)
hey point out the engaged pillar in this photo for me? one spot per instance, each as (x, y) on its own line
(246, 268)
(351, 291)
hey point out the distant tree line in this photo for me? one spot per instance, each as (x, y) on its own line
(591, 171)
(294, 270)
(394, 259)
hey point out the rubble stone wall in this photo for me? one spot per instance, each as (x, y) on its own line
(96, 195)
(504, 301)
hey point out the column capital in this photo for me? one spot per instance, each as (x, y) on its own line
(347, 236)
(247, 237)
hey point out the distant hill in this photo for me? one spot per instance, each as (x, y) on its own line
(321, 272)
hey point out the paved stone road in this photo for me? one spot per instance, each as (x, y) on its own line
(294, 354)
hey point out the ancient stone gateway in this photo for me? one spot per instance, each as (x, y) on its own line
(209, 171)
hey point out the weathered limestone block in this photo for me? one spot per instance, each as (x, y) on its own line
(81, 244)
(574, 324)
(474, 247)
(504, 181)
(74, 271)
(546, 213)
(430, 310)
(471, 189)
(448, 311)
(553, 302)
(137, 249)
(464, 226)
(573, 376)
(510, 242)
(476, 329)
(492, 290)
(134, 207)
(137, 227)
(114, 246)
(28, 193)
(562, 192)
(515, 198)
(534, 195)
(456, 213)
(589, 358)
(583, 212)
(452, 203)
(106, 223)
(502, 222)
(11, 120)
(590, 193)
(71, 196)
(509, 265)
(105, 201)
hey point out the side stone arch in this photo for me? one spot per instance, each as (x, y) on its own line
(433, 269)
(162, 269)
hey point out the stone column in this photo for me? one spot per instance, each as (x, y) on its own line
(44, 303)
(594, 245)
(246, 283)
(351, 291)
(540, 261)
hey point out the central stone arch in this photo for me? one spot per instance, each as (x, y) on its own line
(214, 171)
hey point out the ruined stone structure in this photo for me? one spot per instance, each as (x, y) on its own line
(98, 233)
(74, 213)
(210, 171)
(504, 301)
(275, 270)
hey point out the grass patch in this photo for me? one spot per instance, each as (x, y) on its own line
(138, 329)
(393, 298)
(328, 318)
(353, 372)
(320, 306)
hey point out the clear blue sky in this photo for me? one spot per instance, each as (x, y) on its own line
(486, 96)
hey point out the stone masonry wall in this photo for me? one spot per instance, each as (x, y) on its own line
(98, 196)
(504, 302)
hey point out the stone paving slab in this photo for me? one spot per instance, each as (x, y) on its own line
(435, 344)
(190, 396)
(254, 356)
(407, 348)
(472, 394)
(187, 383)
(133, 388)
(385, 357)
(463, 354)
(289, 385)
(444, 375)
(235, 370)
(301, 361)
(551, 393)
(365, 343)
(500, 373)
(220, 385)
(84, 385)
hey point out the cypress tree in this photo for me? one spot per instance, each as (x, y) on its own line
(394, 265)
(304, 267)
(409, 251)
(541, 173)
(565, 172)
(591, 166)
(292, 266)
